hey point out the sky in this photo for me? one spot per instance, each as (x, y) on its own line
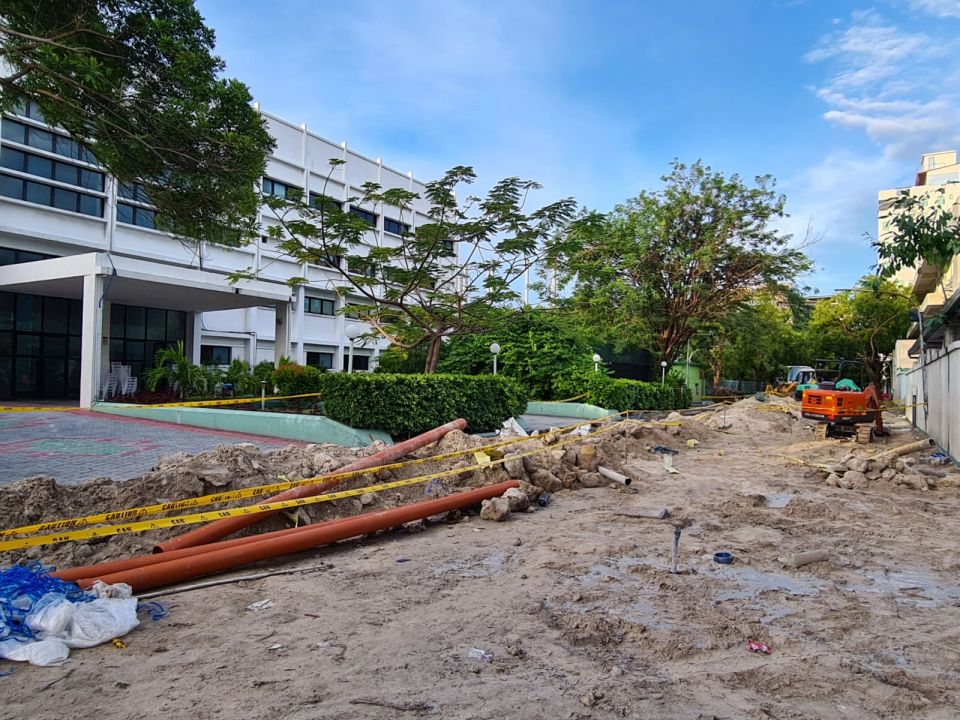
(594, 98)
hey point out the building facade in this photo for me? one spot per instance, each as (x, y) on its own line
(926, 369)
(87, 280)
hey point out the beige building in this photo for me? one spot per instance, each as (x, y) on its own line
(926, 368)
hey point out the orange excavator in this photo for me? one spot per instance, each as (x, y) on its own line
(842, 412)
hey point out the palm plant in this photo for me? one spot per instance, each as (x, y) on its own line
(171, 366)
(238, 374)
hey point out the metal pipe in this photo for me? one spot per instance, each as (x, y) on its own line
(221, 528)
(613, 475)
(888, 455)
(208, 563)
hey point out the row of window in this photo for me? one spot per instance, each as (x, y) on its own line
(319, 306)
(134, 191)
(50, 169)
(135, 215)
(42, 194)
(9, 256)
(325, 360)
(24, 134)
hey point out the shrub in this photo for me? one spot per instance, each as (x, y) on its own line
(405, 405)
(263, 370)
(293, 379)
(619, 394)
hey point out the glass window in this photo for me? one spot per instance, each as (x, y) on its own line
(6, 342)
(8, 256)
(8, 302)
(116, 321)
(176, 325)
(25, 379)
(90, 205)
(321, 359)
(156, 324)
(13, 131)
(365, 215)
(37, 193)
(135, 351)
(319, 306)
(40, 139)
(54, 346)
(55, 315)
(13, 159)
(125, 213)
(360, 362)
(11, 187)
(75, 310)
(28, 345)
(65, 199)
(136, 322)
(28, 313)
(91, 180)
(41, 166)
(62, 172)
(214, 355)
(324, 203)
(395, 226)
(144, 218)
(116, 349)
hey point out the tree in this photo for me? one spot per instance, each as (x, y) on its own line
(171, 366)
(864, 323)
(451, 276)
(666, 265)
(541, 348)
(136, 83)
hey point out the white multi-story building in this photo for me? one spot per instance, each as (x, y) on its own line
(86, 280)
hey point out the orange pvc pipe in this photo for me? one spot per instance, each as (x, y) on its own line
(89, 571)
(311, 536)
(220, 528)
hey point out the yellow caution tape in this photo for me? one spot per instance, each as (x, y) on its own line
(182, 520)
(228, 401)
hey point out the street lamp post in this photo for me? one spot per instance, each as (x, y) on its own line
(917, 317)
(663, 372)
(596, 362)
(495, 349)
(352, 332)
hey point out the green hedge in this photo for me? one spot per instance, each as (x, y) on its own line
(292, 379)
(607, 392)
(405, 405)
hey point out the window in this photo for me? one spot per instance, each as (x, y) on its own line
(135, 215)
(319, 306)
(353, 310)
(360, 362)
(50, 169)
(368, 217)
(321, 360)
(9, 256)
(325, 203)
(43, 194)
(279, 189)
(45, 140)
(332, 261)
(364, 268)
(215, 355)
(395, 226)
(134, 191)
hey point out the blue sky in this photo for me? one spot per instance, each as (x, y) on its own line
(594, 98)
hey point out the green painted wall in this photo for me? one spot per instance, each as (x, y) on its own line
(305, 428)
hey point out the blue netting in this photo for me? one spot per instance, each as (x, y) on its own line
(27, 588)
(154, 610)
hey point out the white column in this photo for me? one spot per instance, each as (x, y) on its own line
(91, 340)
(298, 335)
(281, 341)
(196, 337)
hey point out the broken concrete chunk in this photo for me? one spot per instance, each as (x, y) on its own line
(587, 458)
(833, 479)
(546, 480)
(495, 509)
(855, 479)
(517, 499)
(857, 465)
(593, 480)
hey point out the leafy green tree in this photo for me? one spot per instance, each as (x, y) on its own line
(540, 348)
(172, 367)
(136, 82)
(861, 324)
(239, 375)
(764, 339)
(666, 265)
(451, 276)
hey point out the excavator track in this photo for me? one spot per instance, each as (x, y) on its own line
(865, 434)
(820, 431)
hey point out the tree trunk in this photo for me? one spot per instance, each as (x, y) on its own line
(433, 354)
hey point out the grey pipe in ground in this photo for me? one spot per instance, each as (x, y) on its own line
(613, 475)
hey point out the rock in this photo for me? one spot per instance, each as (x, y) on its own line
(514, 468)
(857, 465)
(673, 429)
(899, 465)
(833, 479)
(546, 480)
(932, 482)
(531, 491)
(889, 473)
(516, 499)
(909, 461)
(951, 481)
(853, 479)
(930, 471)
(844, 484)
(593, 480)
(495, 509)
(367, 499)
(838, 468)
(873, 474)
(569, 456)
(913, 481)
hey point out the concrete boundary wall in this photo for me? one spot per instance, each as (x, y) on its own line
(943, 396)
(304, 428)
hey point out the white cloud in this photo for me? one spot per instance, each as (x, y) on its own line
(940, 8)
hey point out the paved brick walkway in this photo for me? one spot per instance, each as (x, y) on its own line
(77, 446)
